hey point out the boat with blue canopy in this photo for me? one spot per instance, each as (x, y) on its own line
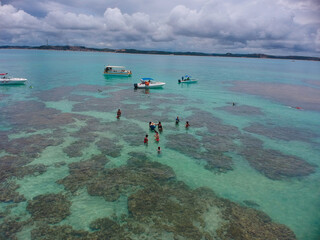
(187, 79)
(148, 83)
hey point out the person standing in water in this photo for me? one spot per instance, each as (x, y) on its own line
(159, 150)
(177, 120)
(119, 113)
(160, 127)
(157, 137)
(187, 124)
(146, 139)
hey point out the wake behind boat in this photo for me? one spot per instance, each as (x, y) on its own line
(116, 71)
(4, 80)
(148, 83)
(187, 79)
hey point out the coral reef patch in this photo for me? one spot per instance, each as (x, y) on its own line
(242, 110)
(50, 208)
(292, 95)
(272, 163)
(190, 146)
(159, 206)
(282, 133)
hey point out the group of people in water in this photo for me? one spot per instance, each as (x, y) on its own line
(153, 127)
(178, 120)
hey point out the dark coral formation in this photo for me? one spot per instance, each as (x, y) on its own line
(242, 110)
(214, 125)
(33, 114)
(189, 145)
(67, 92)
(50, 208)
(184, 143)
(49, 232)
(272, 163)
(9, 227)
(251, 203)
(109, 147)
(130, 132)
(8, 193)
(221, 138)
(3, 96)
(288, 94)
(12, 166)
(111, 183)
(248, 223)
(283, 133)
(82, 173)
(162, 207)
(75, 148)
(29, 147)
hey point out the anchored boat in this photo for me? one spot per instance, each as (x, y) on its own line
(148, 83)
(4, 80)
(117, 71)
(187, 79)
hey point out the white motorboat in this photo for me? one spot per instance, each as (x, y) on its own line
(187, 79)
(4, 80)
(116, 71)
(148, 83)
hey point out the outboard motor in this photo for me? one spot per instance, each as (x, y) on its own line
(179, 81)
(135, 85)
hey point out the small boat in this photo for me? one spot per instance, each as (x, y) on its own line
(4, 80)
(187, 79)
(148, 83)
(117, 71)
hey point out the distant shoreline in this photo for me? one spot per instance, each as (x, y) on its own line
(134, 51)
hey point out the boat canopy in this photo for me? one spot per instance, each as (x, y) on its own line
(146, 79)
(115, 66)
(2, 74)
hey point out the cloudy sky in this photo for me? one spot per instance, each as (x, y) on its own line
(285, 27)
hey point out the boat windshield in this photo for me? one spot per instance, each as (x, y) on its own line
(146, 79)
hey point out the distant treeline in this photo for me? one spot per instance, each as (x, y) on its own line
(134, 51)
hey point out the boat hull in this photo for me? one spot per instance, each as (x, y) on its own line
(144, 86)
(12, 81)
(118, 74)
(187, 81)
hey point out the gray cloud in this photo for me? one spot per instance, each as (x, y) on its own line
(265, 26)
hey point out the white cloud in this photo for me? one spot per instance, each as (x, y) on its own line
(10, 17)
(72, 21)
(273, 26)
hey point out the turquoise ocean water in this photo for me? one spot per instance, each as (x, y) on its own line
(263, 153)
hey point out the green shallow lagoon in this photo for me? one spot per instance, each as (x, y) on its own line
(69, 168)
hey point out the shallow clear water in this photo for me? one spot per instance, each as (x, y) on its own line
(72, 82)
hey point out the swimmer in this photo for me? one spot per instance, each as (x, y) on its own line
(187, 124)
(119, 113)
(177, 120)
(233, 104)
(146, 139)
